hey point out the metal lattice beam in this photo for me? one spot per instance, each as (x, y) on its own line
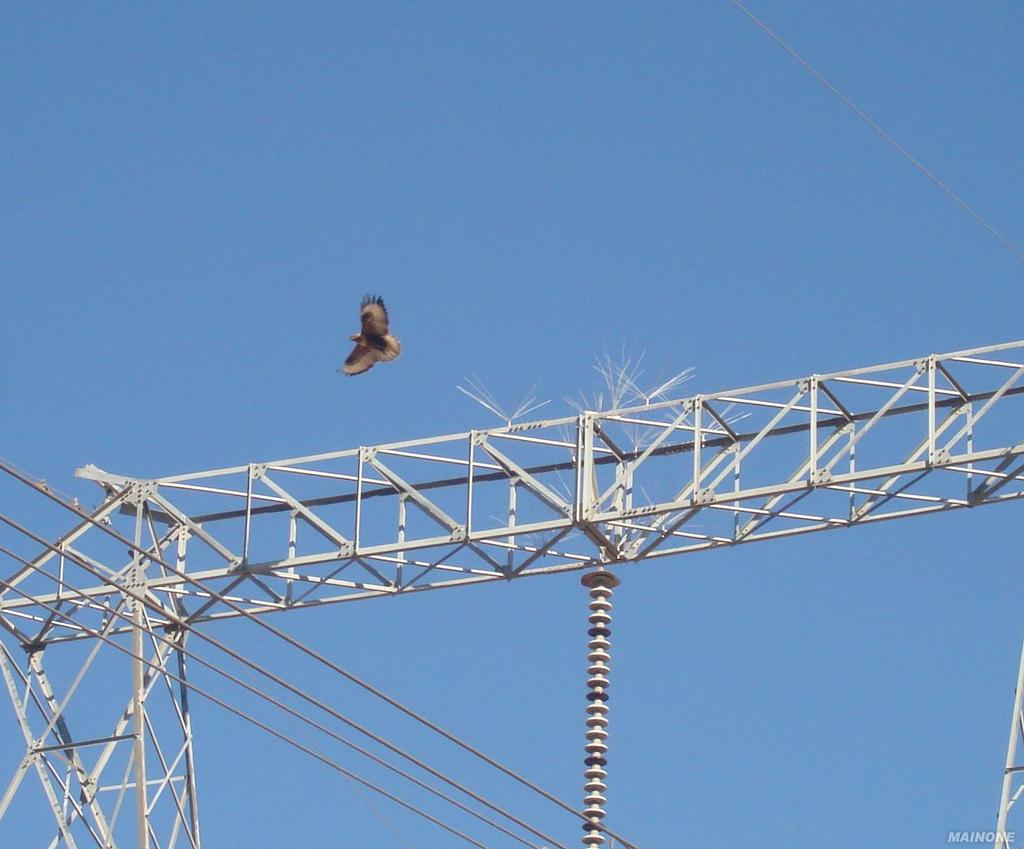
(829, 451)
(594, 491)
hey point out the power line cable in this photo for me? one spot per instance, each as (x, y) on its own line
(881, 132)
(73, 593)
(180, 623)
(251, 719)
(77, 510)
(57, 715)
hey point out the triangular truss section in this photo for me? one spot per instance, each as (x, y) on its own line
(823, 452)
(595, 491)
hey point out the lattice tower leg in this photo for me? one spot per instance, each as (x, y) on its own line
(1013, 769)
(600, 583)
(85, 777)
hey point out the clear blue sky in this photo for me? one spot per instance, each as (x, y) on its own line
(194, 198)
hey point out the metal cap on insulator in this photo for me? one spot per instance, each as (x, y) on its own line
(600, 578)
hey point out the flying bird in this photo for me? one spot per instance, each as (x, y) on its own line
(373, 342)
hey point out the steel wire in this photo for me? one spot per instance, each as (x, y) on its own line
(312, 653)
(254, 721)
(878, 129)
(286, 685)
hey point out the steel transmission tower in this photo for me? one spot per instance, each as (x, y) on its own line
(588, 493)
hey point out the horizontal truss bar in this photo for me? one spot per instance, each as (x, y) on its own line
(910, 438)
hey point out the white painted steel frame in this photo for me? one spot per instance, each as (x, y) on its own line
(602, 489)
(86, 781)
(916, 437)
(1013, 773)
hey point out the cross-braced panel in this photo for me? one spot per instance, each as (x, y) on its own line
(829, 451)
(87, 762)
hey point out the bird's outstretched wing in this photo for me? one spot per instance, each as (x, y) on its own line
(361, 359)
(373, 316)
(389, 348)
